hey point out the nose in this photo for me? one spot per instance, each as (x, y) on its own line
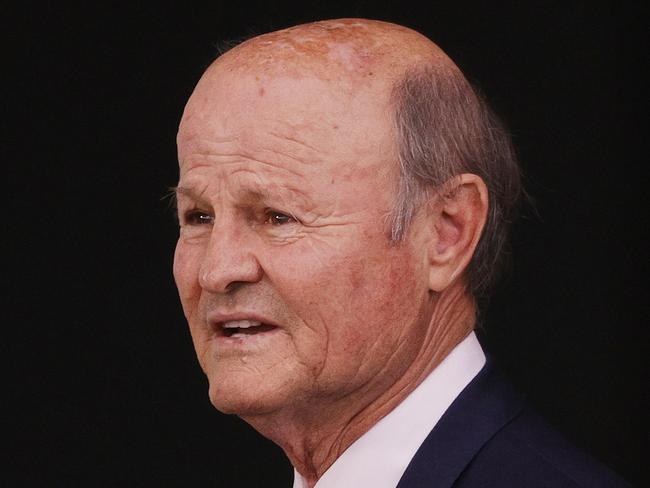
(229, 261)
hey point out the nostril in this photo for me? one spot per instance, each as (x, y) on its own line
(234, 286)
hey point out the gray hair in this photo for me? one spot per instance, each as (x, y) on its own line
(444, 129)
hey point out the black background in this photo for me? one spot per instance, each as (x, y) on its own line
(104, 388)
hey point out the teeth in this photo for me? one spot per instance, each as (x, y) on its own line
(241, 324)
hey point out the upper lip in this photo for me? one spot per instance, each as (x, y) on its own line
(216, 319)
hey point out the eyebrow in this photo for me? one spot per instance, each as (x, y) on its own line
(188, 192)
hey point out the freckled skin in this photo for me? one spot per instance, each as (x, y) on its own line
(295, 116)
(350, 49)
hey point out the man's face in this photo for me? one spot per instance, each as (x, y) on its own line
(285, 188)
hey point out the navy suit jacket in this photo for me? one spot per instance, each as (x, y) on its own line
(489, 438)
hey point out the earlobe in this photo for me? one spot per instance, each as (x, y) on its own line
(457, 218)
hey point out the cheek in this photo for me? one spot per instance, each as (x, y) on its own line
(348, 302)
(381, 295)
(187, 261)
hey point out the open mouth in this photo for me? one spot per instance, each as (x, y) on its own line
(245, 328)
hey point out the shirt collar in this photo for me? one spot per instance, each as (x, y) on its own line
(380, 456)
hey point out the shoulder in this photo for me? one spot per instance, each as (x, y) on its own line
(489, 437)
(528, 452)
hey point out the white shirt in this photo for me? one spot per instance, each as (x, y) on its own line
(379, 457)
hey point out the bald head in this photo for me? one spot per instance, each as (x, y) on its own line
(350, 50)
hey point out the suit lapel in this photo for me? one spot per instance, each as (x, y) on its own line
(486, 404)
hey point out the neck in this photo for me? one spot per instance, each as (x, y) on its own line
(313, 439)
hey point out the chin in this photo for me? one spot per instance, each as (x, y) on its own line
(245, 399)
(238, 406)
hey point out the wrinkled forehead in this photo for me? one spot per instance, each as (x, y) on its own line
(323, 135)
(326, 115)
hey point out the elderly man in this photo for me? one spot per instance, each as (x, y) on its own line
(343, 201)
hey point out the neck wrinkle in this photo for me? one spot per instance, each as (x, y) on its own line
(314, 444)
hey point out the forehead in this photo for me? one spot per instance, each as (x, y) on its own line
(303, 119)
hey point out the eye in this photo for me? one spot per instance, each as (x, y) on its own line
(195, 217)
(278, 218)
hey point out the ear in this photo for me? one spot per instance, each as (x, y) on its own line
(456, 218)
